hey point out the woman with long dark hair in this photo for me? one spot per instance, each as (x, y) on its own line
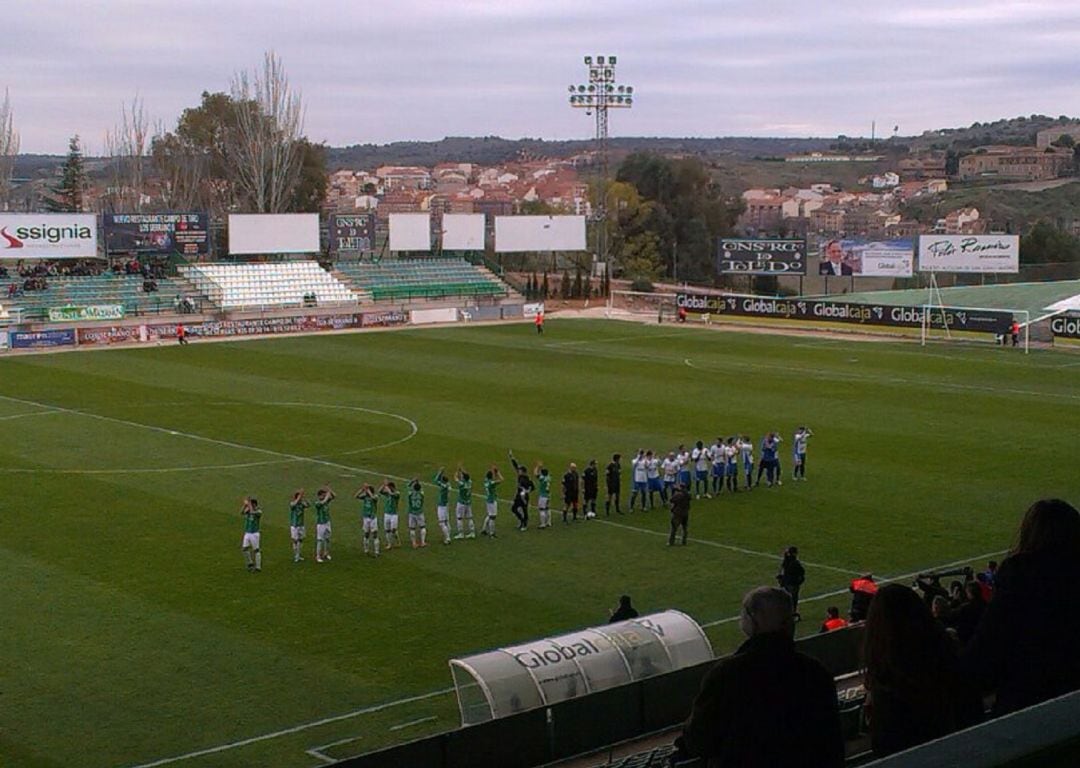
(1024, 648)
(915, 691)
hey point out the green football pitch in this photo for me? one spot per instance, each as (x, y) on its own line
(133, 635)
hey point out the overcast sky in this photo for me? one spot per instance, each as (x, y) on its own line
(388, 70)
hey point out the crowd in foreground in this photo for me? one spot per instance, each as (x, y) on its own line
(770, 705)
(706, 470)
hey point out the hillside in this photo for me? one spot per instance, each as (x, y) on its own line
(1018, 131)
(1011, 209)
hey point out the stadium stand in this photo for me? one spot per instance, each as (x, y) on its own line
(268, 284)
(421, 279)
(106, 288)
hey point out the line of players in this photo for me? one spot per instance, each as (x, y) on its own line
(707, 470)
(651, 476)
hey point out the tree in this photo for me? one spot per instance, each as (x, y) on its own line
(264, 149)
(9, 148)
(1066, 141)
(126, 146)
(1045, 243)
(576, 291)
(69, 194)
(566, 287)
(544, 290)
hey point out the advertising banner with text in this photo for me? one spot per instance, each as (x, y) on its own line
(969, 253)
(352, 233)
(744, 256)
(157, 234)
(956, 318)
(41, 339)
(92, 312)
(1066, 327)
(48, 236)
(868, 258)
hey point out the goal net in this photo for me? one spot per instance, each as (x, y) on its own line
(657, 307)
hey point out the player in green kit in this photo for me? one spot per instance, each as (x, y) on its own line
(322, 524)
(442, 509)
(296, 524)
(250, 545)
(464, 506)
(543, 496)
(491, 499)
(369, 502)
(417, 526)
(390, 496)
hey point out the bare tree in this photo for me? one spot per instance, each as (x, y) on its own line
(9, 148)
(126, 145)
(183, 172)
(265, 146)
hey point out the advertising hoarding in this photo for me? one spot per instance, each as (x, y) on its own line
(48, 236)
(92, 312)
(760, 256)
(255, 233)
(352, 232)
(410, 232)
(516, 234)
(157, 234)
(42, 339)
(818, 310)
(867, 258)
(463, 232)
(969, 253)
(1066, 327)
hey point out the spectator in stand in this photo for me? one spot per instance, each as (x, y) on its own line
(940, 609)
(791, 577)
(833, 620)
(966, 618)
(862, 591)
(1025, 646)
(624, 612)
(768, 704)
(915, 691)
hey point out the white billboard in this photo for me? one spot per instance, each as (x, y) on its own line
(539, 233)
(251, 233)
(463, 232)
(48, 236)
(969, 253)
(410, 232)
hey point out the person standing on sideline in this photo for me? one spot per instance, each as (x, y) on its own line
(417, 525)
(181, 334)
(491, 500)
(613, 477)
(798, 444)
(624, 612)
(791, 577)
(571, 489)
(520, 507)
(369, 523)
(590, 488)
(442, 503)
(250, 545)
(322, 524)
(297, 505)
(680, 513)
(539, 320)
(1014, 331)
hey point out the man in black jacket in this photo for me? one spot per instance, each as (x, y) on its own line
(520, 507)
(613, 476)
(571, 489)
(680, 512)
(791, 576)
(590, 487)
(767, 705)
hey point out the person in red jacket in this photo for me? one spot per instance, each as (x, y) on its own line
(862, 591)
(539, 320)
(181, 334)
(833, 621)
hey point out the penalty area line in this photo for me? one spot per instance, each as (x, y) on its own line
(296, 729)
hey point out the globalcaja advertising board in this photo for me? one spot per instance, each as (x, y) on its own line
(1066, 327)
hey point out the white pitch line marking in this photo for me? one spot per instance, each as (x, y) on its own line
(28, 415)
(411, 723)
(414, 429)
(733, 548)
(883, 580)
(294, 729)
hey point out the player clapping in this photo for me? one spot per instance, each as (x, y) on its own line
(369, 502)
(322, 524)
(297, 505)
(391, 497)
(250, 544)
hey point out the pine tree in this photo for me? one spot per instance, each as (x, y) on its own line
(586, 289)
(544, 290)
(68, 195)
(535, 287)
(576, 290)
(564, 290)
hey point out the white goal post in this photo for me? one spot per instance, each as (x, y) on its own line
(657, 306)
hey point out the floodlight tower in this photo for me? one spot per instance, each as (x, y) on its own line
(597, 96)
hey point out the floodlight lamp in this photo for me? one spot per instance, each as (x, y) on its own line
(629, 89)
(572, 89)
(600, 60)
(629, 101)
(621, 89)
(611, 60)
(581, 88)
(592, 88)
(608, 73)
(588, 61)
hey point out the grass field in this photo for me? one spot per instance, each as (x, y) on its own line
(134, 636)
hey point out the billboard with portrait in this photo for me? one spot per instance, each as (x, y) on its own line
(867, 258)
